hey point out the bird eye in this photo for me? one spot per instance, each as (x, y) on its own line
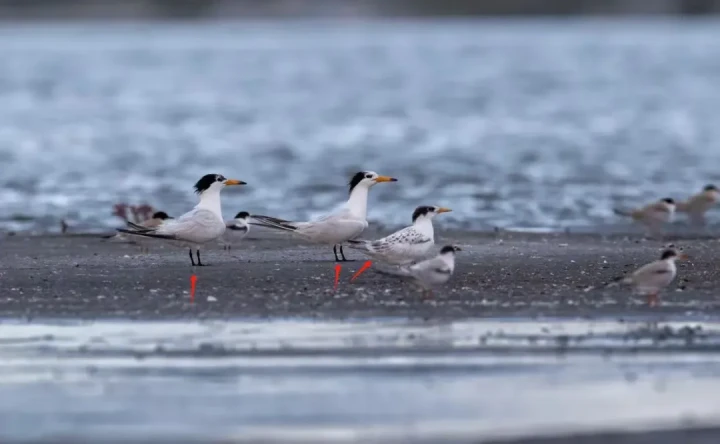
(368, 176)
(220, 179)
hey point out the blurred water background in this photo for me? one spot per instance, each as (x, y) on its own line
(372, 381)
(540, 123)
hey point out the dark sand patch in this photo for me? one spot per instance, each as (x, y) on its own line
(505, 274)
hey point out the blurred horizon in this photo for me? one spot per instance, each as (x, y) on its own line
(237, 9)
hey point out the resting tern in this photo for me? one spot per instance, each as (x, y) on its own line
(157, 218)
(202, 224)
(343, 224)
(405, 246)
(652, 216)
(651, 278)
(699, 204)
(431, 272)
(235, 229)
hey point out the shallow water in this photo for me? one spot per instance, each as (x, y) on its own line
(531, 123)
(382, 379)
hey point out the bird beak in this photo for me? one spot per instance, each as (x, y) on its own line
(234, 182)
(443, 210)
(684, 257)
(385, 179)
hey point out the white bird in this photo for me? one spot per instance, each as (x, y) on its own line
(157, 218)
(235, 230)
(407, 245)
(651, 278)
(652, 216)
(202, 224)
(431, 272)
(699, 204)
(343, 224)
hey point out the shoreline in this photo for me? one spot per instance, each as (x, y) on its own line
(499, 274)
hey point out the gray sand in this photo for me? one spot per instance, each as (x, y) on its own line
(498, 274)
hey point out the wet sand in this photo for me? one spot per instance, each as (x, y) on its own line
(501, 274)
(498, 274)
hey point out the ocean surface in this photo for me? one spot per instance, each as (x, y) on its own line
(246, 380)
(544, 124)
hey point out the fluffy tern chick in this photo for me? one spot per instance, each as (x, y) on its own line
(235, 230)
(429, 273)
(405, 246)
(202, 224)
(345, 223)
(653, 216)
(651, 278)
(699, 204)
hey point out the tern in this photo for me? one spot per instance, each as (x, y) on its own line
(202, 224)
(428, 273)
(699, 204)
(407, 245)
(651, 278)
(652, 216)
(235, 229)
(343, 224)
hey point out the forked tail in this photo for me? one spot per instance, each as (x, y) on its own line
(394, 271)
(271, 222)
(361, 245)
(147, 233)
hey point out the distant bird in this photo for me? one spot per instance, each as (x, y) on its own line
(407, 245)
(235, 230)
(428, 273)
(343, 224)
(64, 226)
(651, 278)
(699, 204)
(157, 218)
(653, 216)
(204, 223)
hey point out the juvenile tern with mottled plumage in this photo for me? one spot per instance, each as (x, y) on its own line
(407, 245)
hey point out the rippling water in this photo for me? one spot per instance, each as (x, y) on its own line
(544, 124)
(278, 380)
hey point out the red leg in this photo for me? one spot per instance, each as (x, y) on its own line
(653, 299)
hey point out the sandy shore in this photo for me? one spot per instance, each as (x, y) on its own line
(498, 274)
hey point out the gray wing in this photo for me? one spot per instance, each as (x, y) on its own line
(435, 264)
(187, 225)
(405, 238)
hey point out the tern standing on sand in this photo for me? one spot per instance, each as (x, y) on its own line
(651, 278)
(431, 272)
(405, 246)
(157, 219)
(202, 224)
(235, 230)
(343, 224)
(699, 204)
(652, 216)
